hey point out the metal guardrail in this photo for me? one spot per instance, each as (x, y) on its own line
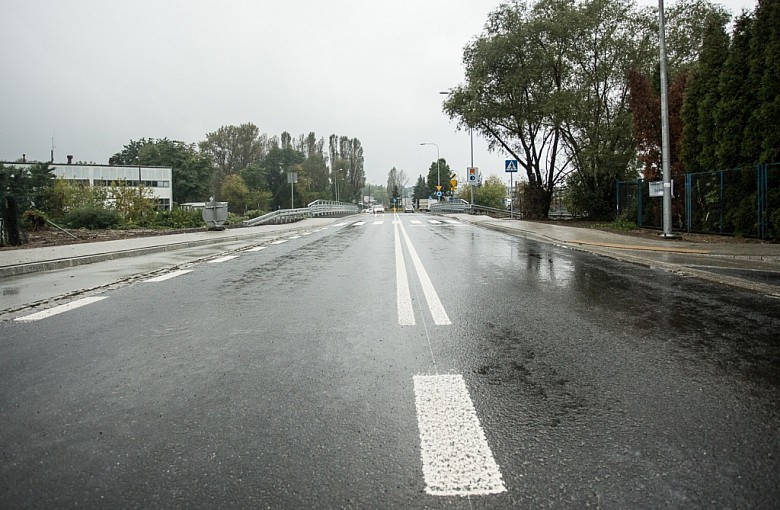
(461, 206)
(318, 208)
(455, 206)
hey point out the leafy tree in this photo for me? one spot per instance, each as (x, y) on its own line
(699, 144)
(396, 181)
(347, 170)
(515, 97)
(763, 128)
(438, 172)
(135, 204)
(607, 41)
(420, 189)
(65, 196)
(236, 193)
(277, 163)
(29, 186)
(233, 148)
(316, 170)
(491, 193)
(737, 90)
(688, 23)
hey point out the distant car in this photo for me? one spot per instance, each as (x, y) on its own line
(409, 208)
(379, 209)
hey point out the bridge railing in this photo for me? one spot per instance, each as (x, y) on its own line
(461, 206)
(318, 208)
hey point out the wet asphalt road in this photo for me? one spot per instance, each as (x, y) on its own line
(282, 378)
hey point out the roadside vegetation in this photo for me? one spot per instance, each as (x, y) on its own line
(570, 89)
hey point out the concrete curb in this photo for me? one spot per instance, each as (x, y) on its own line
(48, 265)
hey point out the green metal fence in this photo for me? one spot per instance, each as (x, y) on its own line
(741, 201)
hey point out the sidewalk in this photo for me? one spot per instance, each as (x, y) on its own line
(752, 266)
(33, 260)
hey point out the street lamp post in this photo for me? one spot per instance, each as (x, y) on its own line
(665, 144)
(438, 169)
(471, 137)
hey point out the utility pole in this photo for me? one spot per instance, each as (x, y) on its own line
(665, 150)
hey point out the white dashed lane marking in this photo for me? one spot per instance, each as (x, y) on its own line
(257, 248)
(223, 259)
(168, 276)
(456, 457)
(59, 309)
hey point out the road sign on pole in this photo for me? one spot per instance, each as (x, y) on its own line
(510, 165)
(472, 175)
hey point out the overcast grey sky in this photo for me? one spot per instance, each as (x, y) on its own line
(95, 74)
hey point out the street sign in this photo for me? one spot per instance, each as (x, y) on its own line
(438, 187)
(472, 175)
(438, 193)
(657, 188)
(454, 183)
(510, 165)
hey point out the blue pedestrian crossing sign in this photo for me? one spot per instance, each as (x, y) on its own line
(510, 165)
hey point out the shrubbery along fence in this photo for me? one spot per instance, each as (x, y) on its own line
(741, 201)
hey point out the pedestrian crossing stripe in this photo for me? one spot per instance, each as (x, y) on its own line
(413, 222)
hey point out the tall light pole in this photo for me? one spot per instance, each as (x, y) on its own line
(665, 151)
(471, 137)
(438, 169)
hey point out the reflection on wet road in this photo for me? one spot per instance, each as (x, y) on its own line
(320, 372)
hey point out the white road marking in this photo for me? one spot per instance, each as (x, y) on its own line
(440, 317)
(434, 222)
(456, 457)
(358, 223)
(416, 222)
(337, 225)
(59, 309)
(379, 222)
(257, 248)
(294, 237)
(402, 295)
(453, 222)
(223, 259)
(168, 276)
(306, 234)
(279, 241)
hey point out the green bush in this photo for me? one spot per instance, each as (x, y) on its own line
(92, 218)
(621, 224)
(34, 219)
(180, 217)
(249, 215)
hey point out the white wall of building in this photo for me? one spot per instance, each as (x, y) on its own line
(156, 178)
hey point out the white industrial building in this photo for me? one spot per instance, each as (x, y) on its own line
(159, 179)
